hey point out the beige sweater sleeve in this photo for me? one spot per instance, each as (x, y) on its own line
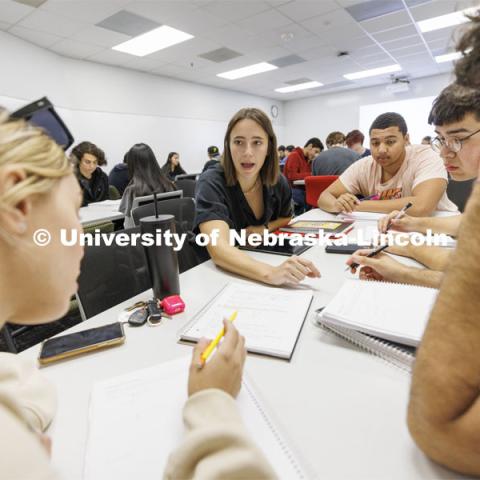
(27, 403)
(34, 396)
(217, 445)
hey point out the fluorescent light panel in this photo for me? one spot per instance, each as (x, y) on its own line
(247, 71)
(157, 39)
(448, 57)
(300, 86)
(373, 72)
(443, 21)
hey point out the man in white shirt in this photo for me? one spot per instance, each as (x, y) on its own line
(396, 173)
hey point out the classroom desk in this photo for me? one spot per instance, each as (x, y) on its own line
(298, 183)
(100, 211)
(343, 409)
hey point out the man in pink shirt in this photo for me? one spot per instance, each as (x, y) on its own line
(395, 173)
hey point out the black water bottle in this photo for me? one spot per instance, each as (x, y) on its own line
(162, 259)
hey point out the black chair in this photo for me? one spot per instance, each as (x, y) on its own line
(111, 275)
(183, 209)
(187, 185)
(458, 192)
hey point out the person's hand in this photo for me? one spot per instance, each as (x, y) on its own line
(404, 224)
(292, 271)
(46, 442)
(346, 203)
(224, 369)
(381, 267)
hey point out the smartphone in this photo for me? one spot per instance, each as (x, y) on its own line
(78, 343)
(345, 249)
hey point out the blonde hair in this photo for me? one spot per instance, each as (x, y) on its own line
(31, 149)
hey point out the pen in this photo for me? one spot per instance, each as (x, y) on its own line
(400, 213)
(370, 255)
(337, 236)
(208, 351)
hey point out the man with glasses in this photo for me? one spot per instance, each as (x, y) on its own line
(396, 173)
(456, 117)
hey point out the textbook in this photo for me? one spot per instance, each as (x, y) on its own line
(313, 226)
(269, 318)
(390, 311)
(135, 422)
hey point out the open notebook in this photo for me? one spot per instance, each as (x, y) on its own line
(135, 422)
(269, 318)
(391, 311)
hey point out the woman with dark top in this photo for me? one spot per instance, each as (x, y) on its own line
(146, 178)
(247, 191)
(172, 166)
(93, 180)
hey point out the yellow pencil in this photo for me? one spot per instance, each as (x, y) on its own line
(208, 351)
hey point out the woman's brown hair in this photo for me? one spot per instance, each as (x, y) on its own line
(270, 171)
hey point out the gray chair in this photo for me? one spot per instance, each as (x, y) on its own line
(190, 176)
(139, 201)
(187, 186)
(183, 209)
(110, 275)
(458, 192)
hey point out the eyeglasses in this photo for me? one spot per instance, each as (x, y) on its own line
(454, 145)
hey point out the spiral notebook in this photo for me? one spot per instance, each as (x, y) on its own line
(399, 355)
(135, 422)
(391, 311)
(270, 319)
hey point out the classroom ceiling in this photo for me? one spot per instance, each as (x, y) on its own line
(303, 38)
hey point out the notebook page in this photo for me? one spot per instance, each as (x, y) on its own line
(135, 421)
(270, 319)
(388, 310)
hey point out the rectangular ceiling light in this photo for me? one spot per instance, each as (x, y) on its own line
(247, 71)
(373, 72)
(300, 86)
(448, 57)
(157, 39)
(448, 20)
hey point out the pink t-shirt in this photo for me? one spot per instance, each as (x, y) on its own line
(421, 163)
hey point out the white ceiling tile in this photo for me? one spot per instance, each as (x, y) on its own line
(163, 11)
(145, 63)
(4, 25)
(351, 44)
(111, 57)
(269, 20)
(197, 23)
(12, 12)
(365, 51)
(385, 22)
(331, 21)
(237, 39)
(234, 11)
(41, 39)
(406, 42)
(395, 33)
(303, 10)
(349, 3)
(326, 53)
(278, 3)
(100, 36)
(444, 33)
(287, 36)
(82, 10)
(51, 23)
(75, 49)
(298, 45)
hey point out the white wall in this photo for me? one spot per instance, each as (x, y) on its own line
(320, 115)
(115, 107)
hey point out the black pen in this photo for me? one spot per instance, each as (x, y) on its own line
(399, 214)
(370, 255)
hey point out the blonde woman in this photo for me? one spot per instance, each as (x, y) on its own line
(38, 190)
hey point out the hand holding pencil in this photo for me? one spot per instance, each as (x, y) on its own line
(225, 368)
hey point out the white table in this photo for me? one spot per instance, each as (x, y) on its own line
(343, 408)
(100, 212)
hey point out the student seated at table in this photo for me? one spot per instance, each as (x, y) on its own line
(172, 167)
(395, 173)
(247, 191)
(146, 178)
(455, 116)
(38, 190)
(444, 409)
(93, 181)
